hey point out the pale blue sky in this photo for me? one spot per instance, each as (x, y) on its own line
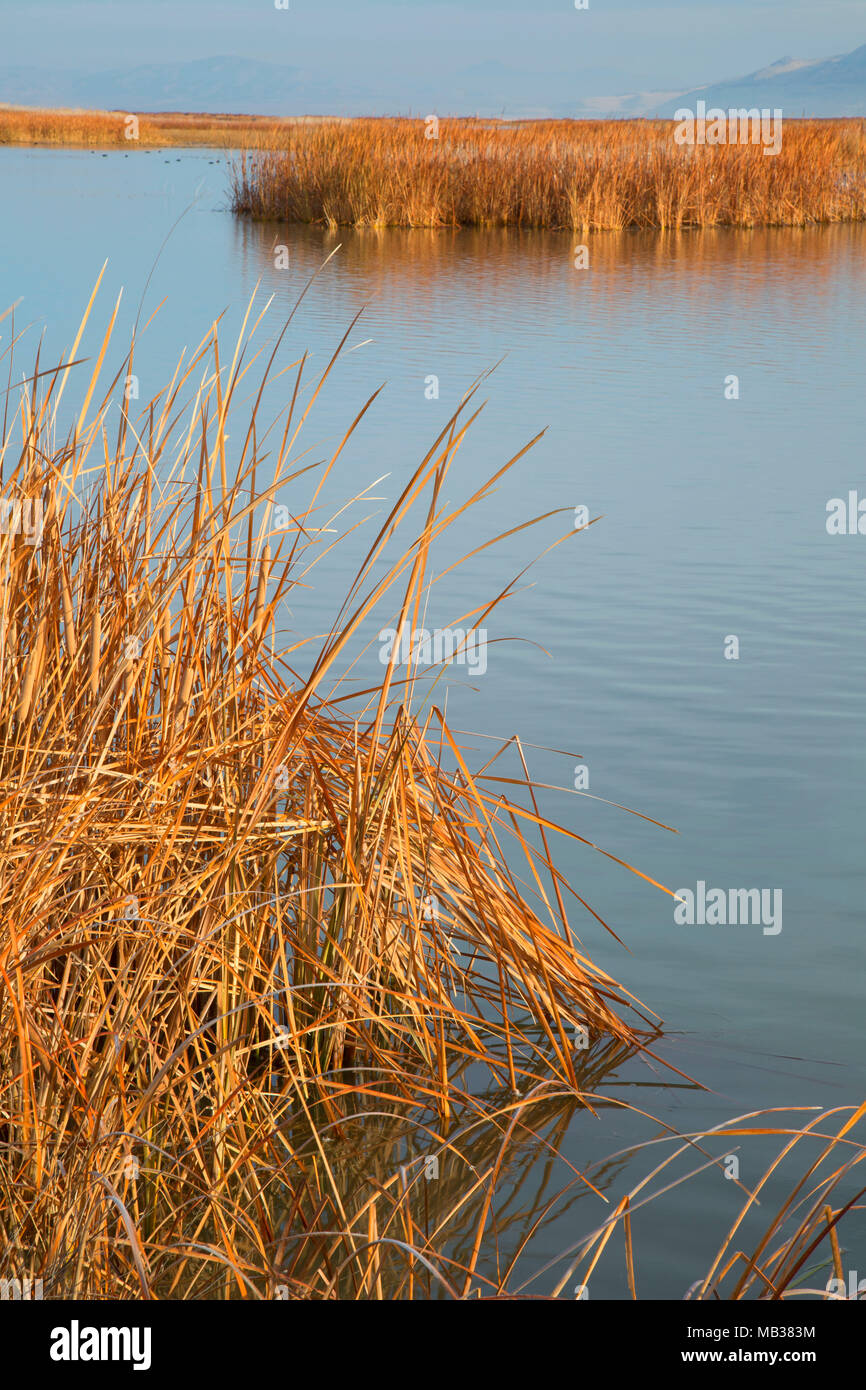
(616, 45)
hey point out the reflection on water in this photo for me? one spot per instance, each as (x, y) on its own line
(410, 270)
(713, 525)
(487, 1201)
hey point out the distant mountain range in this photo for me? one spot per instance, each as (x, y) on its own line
(819, 87)
(822, 87)
(222, 84)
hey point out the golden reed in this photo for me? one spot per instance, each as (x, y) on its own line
(574, 175)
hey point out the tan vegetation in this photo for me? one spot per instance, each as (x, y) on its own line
(574, 175)
(577, 175)
(105, 129)
(237, 909)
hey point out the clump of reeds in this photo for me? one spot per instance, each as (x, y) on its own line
(238, 912)
(574, 175)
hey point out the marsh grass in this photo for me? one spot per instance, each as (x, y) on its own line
(216, 944)
(577, 175)
(107, 129)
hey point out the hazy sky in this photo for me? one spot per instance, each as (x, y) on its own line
(616, 45)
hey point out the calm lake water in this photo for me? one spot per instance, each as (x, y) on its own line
(714, 515)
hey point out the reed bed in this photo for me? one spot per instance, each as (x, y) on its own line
(579, 176)
(243, 916)
(108, 129)
(576, 175)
